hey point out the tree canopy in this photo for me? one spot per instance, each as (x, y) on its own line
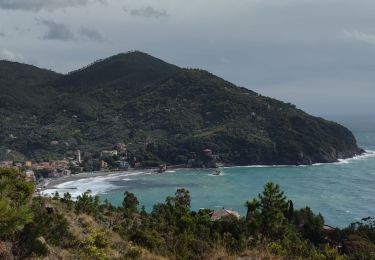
(15, 195)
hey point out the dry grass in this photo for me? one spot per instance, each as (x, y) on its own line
(220, 253)
(147, 255)
(82, 225)
(259, 254)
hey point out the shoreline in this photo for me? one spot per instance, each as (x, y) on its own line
(51, 183)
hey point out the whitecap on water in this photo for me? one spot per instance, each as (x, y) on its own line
(257, 166)
(365, 155)
(96, 185)
(134, 173)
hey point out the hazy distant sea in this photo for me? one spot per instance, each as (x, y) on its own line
(343, 192)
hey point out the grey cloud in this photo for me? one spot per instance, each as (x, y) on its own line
(275, 47)
(149, 12)
(2, 34)
(6, 54)
(91, 34)
(57, 31)
(360, 36)
(22, 29)
(37, 5)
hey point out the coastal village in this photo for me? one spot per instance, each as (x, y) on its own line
(116, 159)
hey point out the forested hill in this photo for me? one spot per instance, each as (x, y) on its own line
(16, 81)
(162, 112)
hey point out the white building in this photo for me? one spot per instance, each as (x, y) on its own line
(225, 214)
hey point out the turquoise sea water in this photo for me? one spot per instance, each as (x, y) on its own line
(343, 192)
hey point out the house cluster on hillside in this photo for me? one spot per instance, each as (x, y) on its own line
(50, 169)
(116, 159)
(54, 169)
(16, 165)
(30, 175)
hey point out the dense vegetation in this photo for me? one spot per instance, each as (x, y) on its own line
(87, 229)
(162, 112)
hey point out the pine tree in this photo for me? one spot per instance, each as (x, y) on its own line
(130, 204)
(182, 198)
(15, 195)
(273, 206)
(252, 209)
(290, 211)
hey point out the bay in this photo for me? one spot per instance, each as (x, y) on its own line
(342, 192)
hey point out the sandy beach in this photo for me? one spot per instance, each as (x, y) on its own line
(52, 183)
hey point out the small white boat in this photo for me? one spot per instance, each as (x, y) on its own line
(217, 172)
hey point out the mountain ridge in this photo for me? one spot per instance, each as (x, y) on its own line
(164, 113)
(118, 68)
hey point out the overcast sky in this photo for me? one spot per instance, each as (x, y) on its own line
(318, 54)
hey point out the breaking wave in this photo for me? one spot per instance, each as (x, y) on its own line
(96, 185)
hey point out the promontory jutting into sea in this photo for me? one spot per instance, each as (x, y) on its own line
(108, 145)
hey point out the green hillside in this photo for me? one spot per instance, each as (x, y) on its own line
(16, 81)
(162, 112)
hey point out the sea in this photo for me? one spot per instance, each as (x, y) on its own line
(343, 192)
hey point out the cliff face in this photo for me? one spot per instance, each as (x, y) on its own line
(164, 113)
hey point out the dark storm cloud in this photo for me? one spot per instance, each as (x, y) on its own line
(37, 5)
(57, 31)
(149, 12)
(91, 34)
